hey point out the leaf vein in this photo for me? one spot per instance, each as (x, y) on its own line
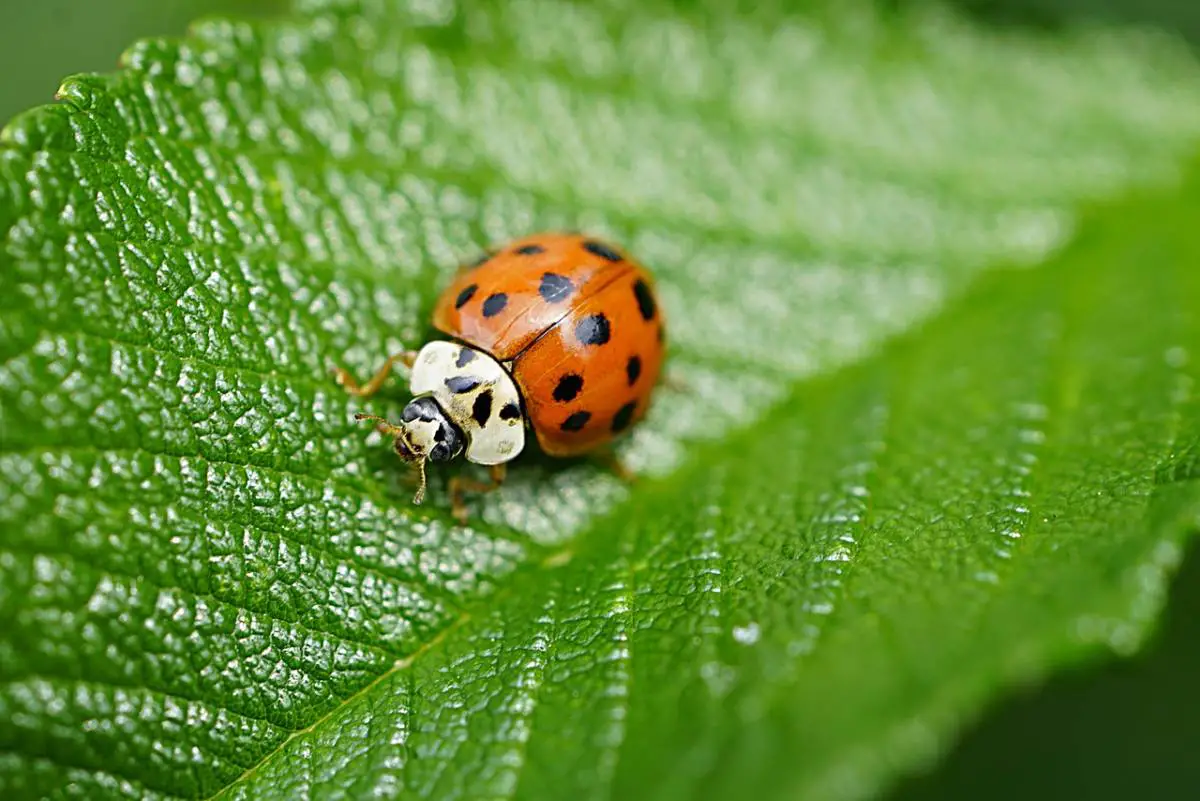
(400, 664)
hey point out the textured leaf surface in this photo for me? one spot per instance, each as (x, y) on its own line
(214, 584)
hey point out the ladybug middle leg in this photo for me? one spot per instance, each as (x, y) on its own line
(405, 357)
(609, 458)
(459, 486)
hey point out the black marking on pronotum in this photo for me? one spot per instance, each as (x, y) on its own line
(494, 304)
(623, 417)
(530, 250)
(576, 421)
(645, 299)
(602, 250)
(593, 330)
(555, 288)
(633, 369)
(458, 384)
(465, 295)
(510, 411)
(481, 410)
(464, 357)
(568, 387)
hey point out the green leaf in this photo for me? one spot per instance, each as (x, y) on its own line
(925, 448)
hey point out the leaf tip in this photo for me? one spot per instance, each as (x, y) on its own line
(78, 91)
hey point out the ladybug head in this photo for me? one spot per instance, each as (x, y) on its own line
(424, 434)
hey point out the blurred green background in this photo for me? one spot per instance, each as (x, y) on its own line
(1122, 730)
(1118, 730)
(42, 41)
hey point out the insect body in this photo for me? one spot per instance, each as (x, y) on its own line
(557, 333)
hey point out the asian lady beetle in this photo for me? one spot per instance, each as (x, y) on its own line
(558, 333)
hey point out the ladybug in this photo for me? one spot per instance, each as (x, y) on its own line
(556, 334)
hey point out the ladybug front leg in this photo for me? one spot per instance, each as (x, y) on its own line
(459, 486)
(405, 357)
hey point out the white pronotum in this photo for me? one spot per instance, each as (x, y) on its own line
(477, 394)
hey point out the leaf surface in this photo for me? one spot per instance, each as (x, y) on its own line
(923, 450)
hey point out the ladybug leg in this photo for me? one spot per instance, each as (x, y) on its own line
(459, 486)
(675, 382)
(344, 379)
(612, 461)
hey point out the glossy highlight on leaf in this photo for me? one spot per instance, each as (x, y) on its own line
(932, 438)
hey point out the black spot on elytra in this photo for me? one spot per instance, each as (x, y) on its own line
(645, 299)
(530, 250)
(602, 250)
(555, 287)
(459, 384)
(464, 357)
(481, 409)
(623, 417)
(593, 330)
(576, 421)
(510, 411)
(494, 304)
(568, 387)
(633, 369)
(465, 295)
(439, 435)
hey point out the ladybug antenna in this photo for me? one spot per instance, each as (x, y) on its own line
(403, 448)
(384, 427)
(420, 494)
